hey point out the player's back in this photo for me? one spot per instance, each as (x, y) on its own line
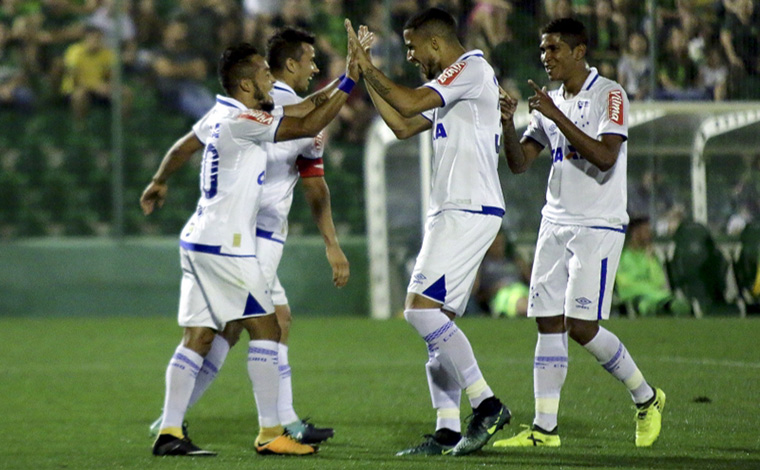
(233, 171)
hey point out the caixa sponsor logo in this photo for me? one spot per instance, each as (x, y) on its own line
(451, 72)
(259, 116)
(615, 106)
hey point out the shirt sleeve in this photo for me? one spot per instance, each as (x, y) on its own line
(313, 148)
(459, 81)
(201, 128)
(613, 112)
(535, 129)
(257, 125)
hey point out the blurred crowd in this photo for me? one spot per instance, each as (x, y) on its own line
(64, 49)
(62, 57)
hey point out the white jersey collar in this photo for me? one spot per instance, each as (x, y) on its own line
(282, 86)
(468, 54)
(231, 102)
(593, 75)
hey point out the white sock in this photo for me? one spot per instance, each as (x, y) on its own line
(180, 379)
(445, 394)
(211, 365)
(452, 349)
(549, 373)
(285, 398)
(262, 369)
(614, 357)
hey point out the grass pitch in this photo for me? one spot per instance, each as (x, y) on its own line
(79, 393)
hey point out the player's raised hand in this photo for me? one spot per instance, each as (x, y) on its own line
(154, 195)
(353, 42)
(541, 102)
(366, 39)
(339, 264)
(507, 105)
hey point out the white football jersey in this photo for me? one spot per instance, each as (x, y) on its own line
(285, 162)
(466, 138)
(233, 171)
(579, 193)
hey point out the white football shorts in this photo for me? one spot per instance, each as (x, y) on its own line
(453, 247)
(269, 253)
(574, 271)
(218, 289)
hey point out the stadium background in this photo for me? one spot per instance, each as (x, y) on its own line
(69, 218)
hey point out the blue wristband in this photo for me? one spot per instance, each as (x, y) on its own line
(340, 79)
(346, 85)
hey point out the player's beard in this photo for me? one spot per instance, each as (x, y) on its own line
(265, 101)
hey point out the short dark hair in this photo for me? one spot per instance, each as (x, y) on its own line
(570, 30)
(235, 64)
(286, 44)
(434, 21)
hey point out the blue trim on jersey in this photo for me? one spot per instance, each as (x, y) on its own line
(426, 117)
(602, 285)
(209, 249)
(284, 89)
(592, 82)
(468, 56)
(226, 103)
(268, 235)
(488, 210)
(625, 137)
(621, 229)
(439, 94)
(274, 138)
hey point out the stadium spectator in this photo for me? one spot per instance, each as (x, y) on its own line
(713, 74)
(223, 282)
(582, 227)
(181, 73)
(676, 72)
(653, 193)
(107, 19)
(465, 214)
(635, 68)
(641, 282)
(487, 25)
(501, 286)
(15, 91)
(741, 43)
(745, 197)
(204, 23)
(606, 33)
(560, 9)
(87, 74)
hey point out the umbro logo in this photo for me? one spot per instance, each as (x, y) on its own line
(582, 302)
(419, 278)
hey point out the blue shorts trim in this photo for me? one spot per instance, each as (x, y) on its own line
(209, 249)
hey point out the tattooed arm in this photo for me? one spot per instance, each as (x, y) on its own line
(408, 102)
(310, 102)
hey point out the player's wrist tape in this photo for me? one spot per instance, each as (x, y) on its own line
(346, 85)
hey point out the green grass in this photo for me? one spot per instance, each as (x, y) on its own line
(79, 393)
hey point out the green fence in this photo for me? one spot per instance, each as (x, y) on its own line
(52, 277)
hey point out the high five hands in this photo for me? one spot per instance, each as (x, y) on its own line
(359, 45)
